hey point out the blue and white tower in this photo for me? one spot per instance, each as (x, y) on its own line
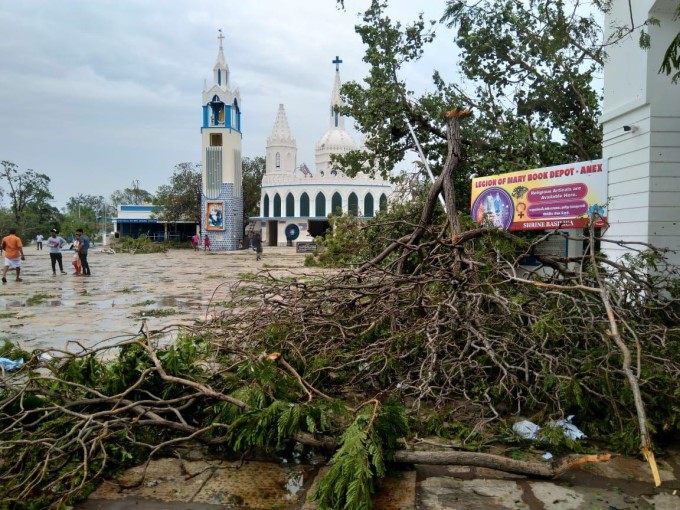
(222, 189)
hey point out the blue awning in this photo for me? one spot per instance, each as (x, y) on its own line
(134, 220)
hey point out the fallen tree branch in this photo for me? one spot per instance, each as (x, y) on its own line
(505, 464)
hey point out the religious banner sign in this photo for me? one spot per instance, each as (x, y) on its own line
(563, 196)
(214, 215)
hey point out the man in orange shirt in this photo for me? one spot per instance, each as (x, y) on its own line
(14, 253)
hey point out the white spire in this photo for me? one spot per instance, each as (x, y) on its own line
(281, 147)
(281, 132)
(221, 69)
(336, 120)
(336, 140)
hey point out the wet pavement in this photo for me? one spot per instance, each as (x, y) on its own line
(177, 287)
(623, 483)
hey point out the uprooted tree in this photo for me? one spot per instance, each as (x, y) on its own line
(436, 329)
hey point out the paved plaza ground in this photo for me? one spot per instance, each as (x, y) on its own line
(177, 287)
(46, 312)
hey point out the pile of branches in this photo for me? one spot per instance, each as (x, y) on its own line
(352, 363)
(470, 333)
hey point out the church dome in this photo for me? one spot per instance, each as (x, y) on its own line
(336, 141)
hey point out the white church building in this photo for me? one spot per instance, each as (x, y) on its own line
(296, 201)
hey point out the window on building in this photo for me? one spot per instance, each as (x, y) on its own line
(336, 204)
(368, 205)
(215, 139)
(353, 204)
(304, 204)
(277, 206)
(265, 212)
(383, 202)
(277, 159)
(290, 205)
(320, 205)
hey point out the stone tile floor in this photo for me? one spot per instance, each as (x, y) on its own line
(623, 483)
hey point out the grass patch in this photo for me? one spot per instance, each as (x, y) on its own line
(8, 315)
(37, 299)
(146, 303)
(162, 312)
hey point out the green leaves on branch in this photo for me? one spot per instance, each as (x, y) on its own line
(360, 461)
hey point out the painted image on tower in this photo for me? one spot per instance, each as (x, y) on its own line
(214, 216)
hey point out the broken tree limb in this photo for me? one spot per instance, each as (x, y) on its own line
(646, 447)
(487, 460)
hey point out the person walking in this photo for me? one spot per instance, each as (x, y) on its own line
(38, 242)
(76, 258)
(194, 241)
(206, 243)
(14, 254)
(54, 244)
(256, 243)
(83, 247)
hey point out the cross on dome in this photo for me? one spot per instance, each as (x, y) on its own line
(220, 37)
(337, 63)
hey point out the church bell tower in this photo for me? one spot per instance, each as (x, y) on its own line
(221, 136)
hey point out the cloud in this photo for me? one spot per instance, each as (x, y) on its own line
(96, 94)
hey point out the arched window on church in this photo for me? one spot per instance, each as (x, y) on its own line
(265, 209)
(304, 204)
(383, 202)
(217, 111)
(353, 204)
(336, 204)
(277, 160)
(236, 112)
(368, 205)
(277, 206)
(290, 205)
(320, 205)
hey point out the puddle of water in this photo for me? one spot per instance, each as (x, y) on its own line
(12, 303)
(166, 301)
(104, 304)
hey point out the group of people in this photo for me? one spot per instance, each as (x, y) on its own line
(255, 244)
(14, 253)
(195, 240)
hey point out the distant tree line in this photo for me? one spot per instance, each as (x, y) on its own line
(25, 200)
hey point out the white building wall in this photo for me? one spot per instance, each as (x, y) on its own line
(644, 162)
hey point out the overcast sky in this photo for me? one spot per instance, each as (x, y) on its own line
(99, 93)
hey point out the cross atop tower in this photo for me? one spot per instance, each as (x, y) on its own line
(220, 37)
(337, 63)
